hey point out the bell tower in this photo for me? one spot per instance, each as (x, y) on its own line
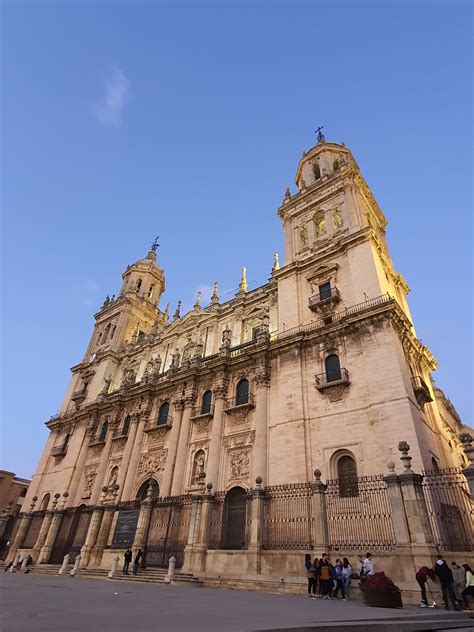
(128, 318)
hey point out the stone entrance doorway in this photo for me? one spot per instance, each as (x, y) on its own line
(167, 532)
(235, 519)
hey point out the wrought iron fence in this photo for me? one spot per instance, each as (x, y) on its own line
(288, 517)
(450, 509)
(359, 515)
(168, 531)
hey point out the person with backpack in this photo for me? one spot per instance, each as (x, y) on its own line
(422, 575)
(136, 561)
(337, 586)
(325, 576)
(317, 579)
(127, 558)
(346, 572)
(445, 577)
(310, 574)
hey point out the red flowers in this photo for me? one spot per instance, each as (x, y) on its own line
(380, 582)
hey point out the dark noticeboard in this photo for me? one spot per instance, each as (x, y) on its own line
(125, 528)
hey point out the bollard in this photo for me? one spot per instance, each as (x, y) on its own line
(76, 567)
(64, 565)
(16, 561)
(113, 570)
(171, 566)
(24, 566)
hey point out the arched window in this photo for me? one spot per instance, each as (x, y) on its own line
(435, 466)
(142, 492)
(206, 403)
(45, 502)
(66, 441)
(316, 171)
(113, 332)
(106, 333)
(235, 519)
(150, 292)
(113, 476)
(347, 477)
(198, 466)
(319, 224)
(23, 492)
(333, 368)
(335, 164)
(103, 431)
(99, 338)
(139, 285)
(126, 426)
(163, 414)
(242, 392)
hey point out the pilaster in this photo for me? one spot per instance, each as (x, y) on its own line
(320, 521)
(165, 488)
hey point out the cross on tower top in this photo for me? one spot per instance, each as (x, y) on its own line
(320, 135)
(155, 244)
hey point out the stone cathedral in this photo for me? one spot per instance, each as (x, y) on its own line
(196, 434)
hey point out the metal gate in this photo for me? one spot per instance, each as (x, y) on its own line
(168, 531)
(33, 530)
(71, 534)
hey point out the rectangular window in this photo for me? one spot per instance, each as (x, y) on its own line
(325, 291)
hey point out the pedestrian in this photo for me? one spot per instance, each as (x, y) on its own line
(337, 586)
(346, 579)
(325, 576)
(422, 575)
(317, 578)
(368, 566)
(310, 575)
(459, 580)
(127, 559)
(469, 590)
(445, 577)
(136, 561)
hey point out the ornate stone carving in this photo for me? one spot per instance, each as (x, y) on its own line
(157, 435)
(119, 444)
(335, 393)
(202, 424)
(239, 439)
(96, 450)
(239, 464)
(152, 462)
(239, 415)
(90, 473)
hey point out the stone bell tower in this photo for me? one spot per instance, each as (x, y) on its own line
(127, 318)
(334, 239)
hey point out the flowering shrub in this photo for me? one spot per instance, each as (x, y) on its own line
(380, 582)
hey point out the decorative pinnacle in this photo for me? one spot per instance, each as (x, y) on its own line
(404, 448)
(243, 281)
(167, 312)
(466, 440)
(177, 312)
(287, 193)
(276, 263)
(197, 304)
(215, 294)
(155, 244)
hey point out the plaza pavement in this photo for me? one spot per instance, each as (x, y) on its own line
(40, 603)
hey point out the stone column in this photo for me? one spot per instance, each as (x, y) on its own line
(466, 440)
(262, 381)
(74, 486)
(45, 551)
(215, 444)
(183, 445)
(92, 532)
(42, 535)
(22, 530)
(395, 496)
(165, 488)
(256, 526)
(136, 446)
(141, 533)
(103, 465)
(193, 532)
(3, 523)
(103, 534)
(414, 502)
(320, 520)
(127, 453)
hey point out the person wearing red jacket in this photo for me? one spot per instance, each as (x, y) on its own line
(423, 574)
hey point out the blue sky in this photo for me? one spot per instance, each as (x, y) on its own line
(123, 121)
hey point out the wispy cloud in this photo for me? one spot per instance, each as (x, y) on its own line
(117, 95)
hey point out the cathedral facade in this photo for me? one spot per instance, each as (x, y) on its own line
(318, 372)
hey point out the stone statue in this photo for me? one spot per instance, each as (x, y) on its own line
(175, 358)
(107, 383)
(226, 336)
(337, 218)
(304, 235)
(265, 318)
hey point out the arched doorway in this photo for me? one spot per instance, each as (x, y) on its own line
(143, 489)
(72, 533)
(234, 534)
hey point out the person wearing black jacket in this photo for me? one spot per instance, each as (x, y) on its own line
(445, 577)
(127, 558)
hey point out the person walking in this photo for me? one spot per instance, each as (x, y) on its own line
(368, 566)
(136, 562)
(310, 575)
(445, 577)
(127, 558)
(346, 572)
(469, 590)
(422, 575)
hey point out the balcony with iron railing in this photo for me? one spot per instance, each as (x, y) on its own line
(199, 412)
(244, 400)
(163, 423)
(330, 296)
(332, 378)
(59, 450)
(421, 390)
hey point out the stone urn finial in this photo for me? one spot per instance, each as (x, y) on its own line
(404, 448)
(258, 482)
(466, 440)
(391, 467)
(209, 487)
(317, 475)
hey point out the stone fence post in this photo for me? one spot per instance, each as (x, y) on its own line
(91, 536)
(171, 566)
(113, 570)
(395, 497)
(256, 524)
(320, 519)
(76, 567)
(22, 530)
(64, 565)
(141, 533)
